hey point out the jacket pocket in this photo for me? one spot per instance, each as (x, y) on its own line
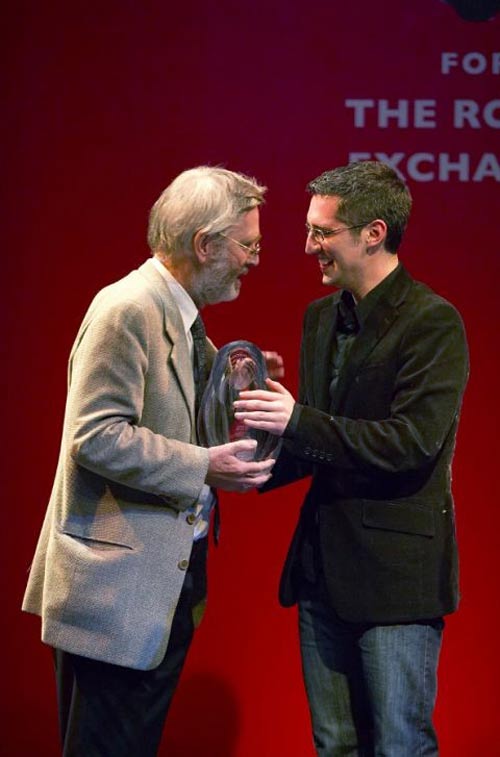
(92, 538)
(407, 518)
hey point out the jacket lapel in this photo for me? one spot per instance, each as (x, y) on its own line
(320, 356)
(179, 358)
(378, 323)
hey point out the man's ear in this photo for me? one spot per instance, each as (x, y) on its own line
(375, 234)
(201, 242)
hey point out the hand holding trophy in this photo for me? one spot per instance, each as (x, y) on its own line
(238, 366)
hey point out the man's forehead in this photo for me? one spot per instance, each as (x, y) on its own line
(248, 221)
(322, 208)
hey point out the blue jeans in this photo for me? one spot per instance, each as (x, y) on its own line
(371, 688)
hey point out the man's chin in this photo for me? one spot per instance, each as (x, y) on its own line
(328, 280)
(230, 293)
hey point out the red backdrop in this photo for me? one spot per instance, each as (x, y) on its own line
(104, 105)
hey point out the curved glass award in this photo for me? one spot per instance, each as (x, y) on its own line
(237, 366)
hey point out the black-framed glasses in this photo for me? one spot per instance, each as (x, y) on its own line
(319, 235)
(253, 250)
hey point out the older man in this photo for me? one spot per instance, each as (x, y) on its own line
(118, 577)
(373, 563)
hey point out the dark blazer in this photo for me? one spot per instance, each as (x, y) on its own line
(380, 457)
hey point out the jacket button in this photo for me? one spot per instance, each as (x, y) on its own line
(183, 564)
(191, 518)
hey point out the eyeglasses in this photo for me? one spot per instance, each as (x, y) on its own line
(253, 251)
(319, 235)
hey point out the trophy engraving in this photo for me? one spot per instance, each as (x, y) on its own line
(238, 365)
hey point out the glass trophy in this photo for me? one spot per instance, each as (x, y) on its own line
(237, 366)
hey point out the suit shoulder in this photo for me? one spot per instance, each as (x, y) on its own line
(132, 289)
(427, 313)
(130, 302)
(428, 300)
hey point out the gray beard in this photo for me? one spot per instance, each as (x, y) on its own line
(215, 284)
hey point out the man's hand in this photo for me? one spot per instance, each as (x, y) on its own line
(274, 364)
(268, 411)
(230, 467)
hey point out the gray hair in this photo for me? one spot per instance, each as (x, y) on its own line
(201, 199)
(368, 190)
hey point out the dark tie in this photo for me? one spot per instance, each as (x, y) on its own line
(200, 381)
(199, 359)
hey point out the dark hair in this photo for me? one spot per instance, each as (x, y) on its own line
(368, 190)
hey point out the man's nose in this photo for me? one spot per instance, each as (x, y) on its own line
(312, 246)
(253, 260)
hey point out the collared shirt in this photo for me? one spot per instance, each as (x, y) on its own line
(189, 312)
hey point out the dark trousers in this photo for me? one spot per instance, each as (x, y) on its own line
(110, 711)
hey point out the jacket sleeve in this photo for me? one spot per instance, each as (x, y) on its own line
(425, 397)
(105, 431)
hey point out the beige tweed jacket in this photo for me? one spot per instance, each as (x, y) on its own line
(116, 541)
